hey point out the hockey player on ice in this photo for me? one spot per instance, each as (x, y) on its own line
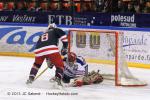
(76, 71)
(75, 66)
(46, 48)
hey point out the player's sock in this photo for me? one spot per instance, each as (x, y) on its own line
(58, 78)
(33, 73)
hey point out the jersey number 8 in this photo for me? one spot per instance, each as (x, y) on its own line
(44, 37)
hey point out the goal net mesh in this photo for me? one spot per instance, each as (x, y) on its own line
(104, 47)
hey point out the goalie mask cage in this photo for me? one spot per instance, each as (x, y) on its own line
(104, 45)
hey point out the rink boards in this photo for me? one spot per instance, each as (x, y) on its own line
(20, 40)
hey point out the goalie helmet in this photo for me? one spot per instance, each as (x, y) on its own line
(72, 57)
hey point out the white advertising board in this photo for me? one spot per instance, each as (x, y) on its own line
(136, 44)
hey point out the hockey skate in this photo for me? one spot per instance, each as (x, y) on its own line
(52, 79)
(58, 83)
(29, 81)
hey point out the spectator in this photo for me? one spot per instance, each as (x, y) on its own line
(10, 6)
(1, 6)
(137, 8)
(53, 6)
(66, 7)
(147, 7)
(99, 5)
(122, 6)
(86, 7)
(107, 5)
(131, 8)
(32, 6)
(141, 5)
(21, 6)
(77, 7)
(43, 6)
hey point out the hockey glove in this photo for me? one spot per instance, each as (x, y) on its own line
(64, 51)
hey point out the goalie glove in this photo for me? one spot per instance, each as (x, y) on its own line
(96, 77)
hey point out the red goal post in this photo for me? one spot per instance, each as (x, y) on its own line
(96, 44)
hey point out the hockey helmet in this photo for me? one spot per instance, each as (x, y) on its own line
(72, 57)
(52, 25)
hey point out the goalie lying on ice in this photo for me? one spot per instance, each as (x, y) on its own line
(76, 71)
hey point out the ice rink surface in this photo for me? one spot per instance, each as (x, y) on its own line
(14, 72)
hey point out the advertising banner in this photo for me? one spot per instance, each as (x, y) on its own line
(92, 19)
(136, 44)
(22, 39)
(69, 18)
(36, 17)
(19, 39)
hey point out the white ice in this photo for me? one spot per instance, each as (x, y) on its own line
(14, 72)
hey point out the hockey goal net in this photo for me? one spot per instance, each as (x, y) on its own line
(102, 46)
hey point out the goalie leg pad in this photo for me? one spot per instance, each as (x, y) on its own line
(87, 80)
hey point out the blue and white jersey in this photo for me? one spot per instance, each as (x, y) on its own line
(80, 68)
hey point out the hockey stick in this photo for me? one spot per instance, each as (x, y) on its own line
(40, 73)
(49, 65)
